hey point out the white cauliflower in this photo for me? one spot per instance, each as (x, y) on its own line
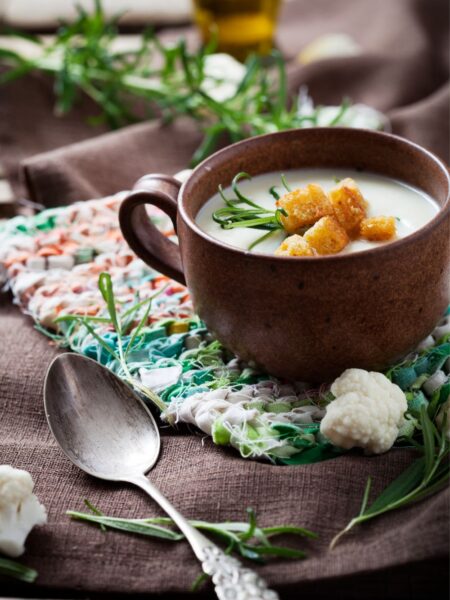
(20, 510)
(367, 412)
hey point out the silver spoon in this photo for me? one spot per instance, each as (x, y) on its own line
(109, 433)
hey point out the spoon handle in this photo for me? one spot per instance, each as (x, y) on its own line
(231, 579)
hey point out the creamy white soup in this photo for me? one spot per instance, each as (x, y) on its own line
(411, 207)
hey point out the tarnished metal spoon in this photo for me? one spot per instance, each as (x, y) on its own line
(109, 433)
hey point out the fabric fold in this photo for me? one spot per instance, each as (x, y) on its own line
(109, 163)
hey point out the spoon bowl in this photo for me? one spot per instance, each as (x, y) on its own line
(100, 424)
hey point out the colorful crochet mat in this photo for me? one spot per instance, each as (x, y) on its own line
(70, 269)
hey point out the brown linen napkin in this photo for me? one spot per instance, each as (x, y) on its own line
(401, 555)
(111, 162)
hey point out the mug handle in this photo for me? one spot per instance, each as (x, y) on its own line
(143, 237)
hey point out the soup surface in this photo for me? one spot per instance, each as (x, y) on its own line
(411, 207)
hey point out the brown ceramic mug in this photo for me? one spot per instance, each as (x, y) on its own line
(304, 318)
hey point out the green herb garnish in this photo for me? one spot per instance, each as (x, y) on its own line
(245, 538)
(285, 183)
(157, 81)
(12, 568)
(129, 338)
(425, 476)
(242, 211)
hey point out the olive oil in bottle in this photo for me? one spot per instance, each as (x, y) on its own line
(239, 26)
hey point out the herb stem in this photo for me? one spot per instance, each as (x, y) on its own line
(169, 78)
(248, 539)
(233, 215)
(12, 568)
(263, 238)
(250, 223)
(414, 484)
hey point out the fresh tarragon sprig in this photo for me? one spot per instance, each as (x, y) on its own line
(123, 324)
(16, 570)
(425, 476)
(246, 538)
(242, 211)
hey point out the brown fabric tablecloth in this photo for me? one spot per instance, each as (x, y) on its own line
(403, 70)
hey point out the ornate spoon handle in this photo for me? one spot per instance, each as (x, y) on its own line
(231, 579)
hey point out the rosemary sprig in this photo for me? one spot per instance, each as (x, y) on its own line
(236, 213)
(121, 322)
(12, 568)
(245, 538)
(155, 81)
(425, 476)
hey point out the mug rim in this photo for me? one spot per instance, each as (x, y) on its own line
(378, 250)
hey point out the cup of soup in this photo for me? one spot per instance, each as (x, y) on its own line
(306, 317)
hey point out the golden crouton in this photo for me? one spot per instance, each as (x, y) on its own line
(327, 236)
(304, 207)
(378, 229)
(349, 205)
(294, 245)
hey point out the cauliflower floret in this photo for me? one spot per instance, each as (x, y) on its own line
(20, 510)
(367, 412)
